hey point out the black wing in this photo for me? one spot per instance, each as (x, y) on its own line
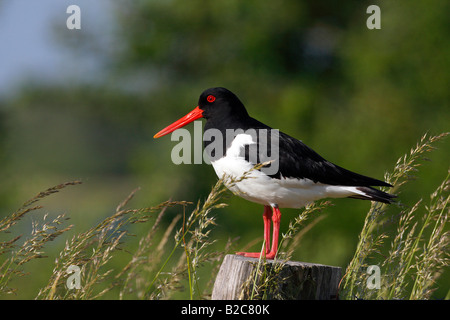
(297, 160)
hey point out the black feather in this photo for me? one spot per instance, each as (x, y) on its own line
(374, 195)
(297, 160)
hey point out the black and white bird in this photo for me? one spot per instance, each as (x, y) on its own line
(301, 176)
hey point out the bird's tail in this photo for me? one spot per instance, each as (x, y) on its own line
(369, 193)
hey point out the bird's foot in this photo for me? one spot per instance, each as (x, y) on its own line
(268, 255)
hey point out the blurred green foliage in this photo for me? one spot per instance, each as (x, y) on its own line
(359, 97)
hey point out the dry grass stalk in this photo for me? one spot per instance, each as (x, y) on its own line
(193, 237)
(32, 247)
(406, 252)
(92, 250)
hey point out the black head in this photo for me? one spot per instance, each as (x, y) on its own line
(220, 103)
(217, 105)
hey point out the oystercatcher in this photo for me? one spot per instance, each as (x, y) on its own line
(301, 177)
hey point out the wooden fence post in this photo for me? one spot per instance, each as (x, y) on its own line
(238, 278)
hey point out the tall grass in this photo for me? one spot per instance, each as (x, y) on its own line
(408, 243)
(153, 271)
(418, 249)
(13, 256)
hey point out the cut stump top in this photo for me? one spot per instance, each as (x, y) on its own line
(240, 278)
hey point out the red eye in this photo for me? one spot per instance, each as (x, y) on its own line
(211, 98)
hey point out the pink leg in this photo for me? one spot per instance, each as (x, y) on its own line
(276, 218)
(268, 217)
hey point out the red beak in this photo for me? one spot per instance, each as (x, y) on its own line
(191, 116)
